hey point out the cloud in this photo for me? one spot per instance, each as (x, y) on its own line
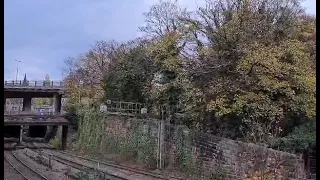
(42, 34)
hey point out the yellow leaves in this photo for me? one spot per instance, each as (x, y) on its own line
(249, 105)
(220, 106)
(296, 49)
(165, 51)
(172, 64)
(307, 29)
(273, 74)
(260, 59)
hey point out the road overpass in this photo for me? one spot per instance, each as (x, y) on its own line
(35, 89)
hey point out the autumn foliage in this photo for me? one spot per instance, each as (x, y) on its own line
(242, 69)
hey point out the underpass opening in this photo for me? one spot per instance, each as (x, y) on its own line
(12, 131)
(37, 131)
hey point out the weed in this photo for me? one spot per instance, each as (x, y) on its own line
(82, 175)
(94, 139)
(55, 142)
(219, 174)
(184, 156)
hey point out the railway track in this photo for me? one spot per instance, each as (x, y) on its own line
(148, 173)
(10, 173)
(84, 168)
(23, 171)
(102, 165)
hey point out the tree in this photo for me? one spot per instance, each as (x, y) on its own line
(85, 74)
(131, 74)
(300, 138)
(25, 81)
(164, 17)
(47, 81)
(241, 69)
(44, 101)
(254, 70)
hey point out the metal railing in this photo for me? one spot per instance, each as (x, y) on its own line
(122, 107)
(21, 83)
(44, 113)
(34, 111)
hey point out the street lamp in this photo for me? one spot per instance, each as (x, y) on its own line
(17, 69)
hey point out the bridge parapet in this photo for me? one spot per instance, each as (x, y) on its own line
(32, 112)
(46, 84)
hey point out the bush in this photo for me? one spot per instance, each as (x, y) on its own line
(55, 142)
(72, 115)
(301, 137)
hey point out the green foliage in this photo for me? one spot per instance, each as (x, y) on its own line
(219, 174)
(262, 72)
(55, 142)
(165, 53)
(91, 130)
(243, 71)
(140, 145)
(131, 74)
(301, 137)
(275, 86)
(184, 153)
(94, 138)
(72, 115)
(83, 175)
(185, 160)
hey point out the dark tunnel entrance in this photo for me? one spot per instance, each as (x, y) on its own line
(37, 131)
(11, 131)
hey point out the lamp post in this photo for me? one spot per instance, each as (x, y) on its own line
(17, 69)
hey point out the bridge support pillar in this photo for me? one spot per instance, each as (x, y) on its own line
(64, 137)
(26, 104)
(21, 134)
(57, 103)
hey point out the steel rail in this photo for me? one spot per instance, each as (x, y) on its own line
(80, 166)
(24, 164)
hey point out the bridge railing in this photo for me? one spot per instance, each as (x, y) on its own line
(33, 112)
(122, 107)
(21, 83)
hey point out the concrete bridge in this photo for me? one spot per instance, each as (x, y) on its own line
(35, 89)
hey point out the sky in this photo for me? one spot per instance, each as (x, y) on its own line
(42, 34)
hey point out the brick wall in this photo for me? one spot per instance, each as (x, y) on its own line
(238, 160)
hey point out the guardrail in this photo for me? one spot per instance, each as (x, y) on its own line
(21, 83)
(122, 107)
(34, 112)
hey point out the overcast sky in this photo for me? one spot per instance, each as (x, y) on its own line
(42, 34)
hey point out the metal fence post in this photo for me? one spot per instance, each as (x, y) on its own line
(50, 161)
(161, 133)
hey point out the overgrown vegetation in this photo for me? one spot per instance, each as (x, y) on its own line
(186, 160)
(219, 174)
(242, 69)
(55, 142)
(302, 137)
(83, 175)
(94, 138)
